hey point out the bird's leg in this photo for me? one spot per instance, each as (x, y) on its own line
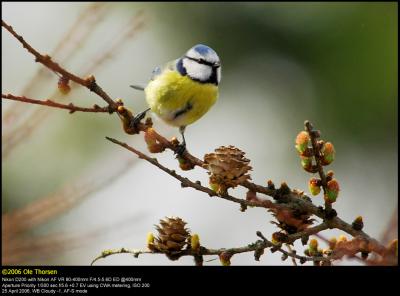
(135, 121)
(181, 147)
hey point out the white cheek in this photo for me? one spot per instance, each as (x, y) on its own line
(196, 70)
(219, 75)
(194, 54)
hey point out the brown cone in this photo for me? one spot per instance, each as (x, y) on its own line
(227, 167)
(172, 235)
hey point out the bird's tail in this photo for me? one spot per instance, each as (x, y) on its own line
(137, 87)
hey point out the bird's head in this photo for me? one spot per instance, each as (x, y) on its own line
(201, 63)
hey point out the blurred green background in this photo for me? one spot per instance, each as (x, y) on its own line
(335, 64)
(349, 51)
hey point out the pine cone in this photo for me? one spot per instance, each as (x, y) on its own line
(228, 168)
(291, 221)
(172, 235)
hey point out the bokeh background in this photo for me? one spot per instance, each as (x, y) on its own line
(68, 194)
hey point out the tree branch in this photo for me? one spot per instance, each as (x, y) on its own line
(89, 82)
(71, 107)
(292, 200)
(259, 244)
(185, 182)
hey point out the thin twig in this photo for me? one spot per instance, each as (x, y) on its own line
(317, 156)
(260, 244)
(307, 232)
(78, 33)
(71, 107)
(292, 252)
(19, 133)
(185, 182)
(46, 60)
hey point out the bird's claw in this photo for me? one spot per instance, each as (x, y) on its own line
(136, 120)
(180, 149)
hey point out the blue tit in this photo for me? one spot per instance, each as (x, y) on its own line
(183, 90)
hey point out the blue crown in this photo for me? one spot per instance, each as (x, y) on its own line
(202, 49)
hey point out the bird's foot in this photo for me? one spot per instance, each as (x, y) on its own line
(136, 120)
(180, 149)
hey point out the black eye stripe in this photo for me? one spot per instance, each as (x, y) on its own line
(203, 62)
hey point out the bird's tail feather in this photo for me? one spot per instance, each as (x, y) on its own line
(138, 87)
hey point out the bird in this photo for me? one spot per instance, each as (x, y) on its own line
(183, 90)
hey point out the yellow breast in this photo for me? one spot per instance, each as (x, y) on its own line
(179, 100)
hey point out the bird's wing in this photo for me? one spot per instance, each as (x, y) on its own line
(156, 72)
(159, 69)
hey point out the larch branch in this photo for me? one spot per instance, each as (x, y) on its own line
(49, 103)
(46, 60)
(259, 244)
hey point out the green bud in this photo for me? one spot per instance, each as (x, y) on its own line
(332, 191)
(328, 153)
(313, 186)
(302, 141)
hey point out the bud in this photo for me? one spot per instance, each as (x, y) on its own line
(150, 241)
(90, 79)
(342, 239)
(275, 239)
(358, 223)
(332, 191)
(185, 164)
(279, 237)
(121, 109)
(313, 248)
(329, 174)
(306, 163)
(125, 115)
(195, 242)
(271, 185)
(332, 243)
(174, 141)
(225, 258)
(313, 244)
(302, 141)
(328, 153)
(313, 186)
(217, 188)
(284, 189)
(63, 85)
(152, 144)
